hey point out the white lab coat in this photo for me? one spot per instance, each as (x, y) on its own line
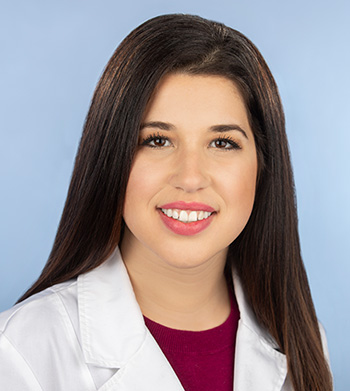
(89, 334)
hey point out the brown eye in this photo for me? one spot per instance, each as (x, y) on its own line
(159, 142)
(221, 143)
(156, 141)
(224, 143)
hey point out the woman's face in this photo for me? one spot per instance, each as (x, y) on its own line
(192, 184)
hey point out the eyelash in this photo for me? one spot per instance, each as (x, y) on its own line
(146, 142)
(233, 144)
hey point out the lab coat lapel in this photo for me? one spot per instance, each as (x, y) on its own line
(111, 323)
(148, 370)
(114, 335)
(258, 363)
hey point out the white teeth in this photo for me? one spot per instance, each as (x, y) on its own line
(188, 216)
(192, 216)
(183, 216)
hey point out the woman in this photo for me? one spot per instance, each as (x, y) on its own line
(181, 205)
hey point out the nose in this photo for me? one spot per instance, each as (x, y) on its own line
(190, 172)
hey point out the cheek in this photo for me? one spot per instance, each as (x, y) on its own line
(239, 187)
(143, 183)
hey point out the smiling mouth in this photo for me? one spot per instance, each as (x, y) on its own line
(186, 216)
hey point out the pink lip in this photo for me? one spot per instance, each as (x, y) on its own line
(188, 206)
(186, 229)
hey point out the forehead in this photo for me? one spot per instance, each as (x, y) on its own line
(200, 100)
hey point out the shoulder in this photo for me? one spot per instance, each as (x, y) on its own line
(43, 309)
(324, 342)
(36, 324)
(40, 345)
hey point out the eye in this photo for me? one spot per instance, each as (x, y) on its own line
(224, 143)
(155, 141)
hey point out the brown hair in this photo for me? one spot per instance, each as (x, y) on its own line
(267, 253)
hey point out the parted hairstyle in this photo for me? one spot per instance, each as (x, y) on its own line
(266, 255)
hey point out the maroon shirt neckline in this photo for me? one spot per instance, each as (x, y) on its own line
(202, 360)
(204, 341)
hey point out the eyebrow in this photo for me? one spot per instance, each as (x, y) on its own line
(215, 128)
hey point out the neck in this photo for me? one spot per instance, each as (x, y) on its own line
(181, 298)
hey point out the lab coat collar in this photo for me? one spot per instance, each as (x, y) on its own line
(111, 323)
(259, 365)
(113, 334)
(247, 316)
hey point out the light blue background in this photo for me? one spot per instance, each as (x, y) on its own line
(52, 54)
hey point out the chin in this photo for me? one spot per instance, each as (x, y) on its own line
(192, 258)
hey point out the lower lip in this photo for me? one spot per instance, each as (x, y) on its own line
(186, 229)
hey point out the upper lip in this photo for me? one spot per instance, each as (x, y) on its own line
(196, 206)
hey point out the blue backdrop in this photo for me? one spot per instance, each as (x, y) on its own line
(52, 54)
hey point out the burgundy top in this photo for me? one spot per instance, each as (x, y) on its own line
(202, 360)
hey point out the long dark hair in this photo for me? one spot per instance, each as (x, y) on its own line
(267, 253)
